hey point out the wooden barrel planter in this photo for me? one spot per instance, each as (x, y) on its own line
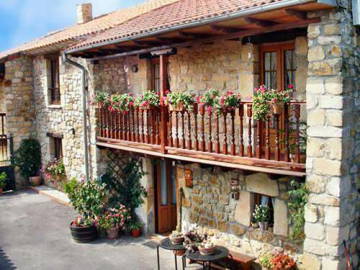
(83, 234)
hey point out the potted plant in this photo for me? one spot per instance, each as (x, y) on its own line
(3, 177)
(179, 101)
(113, 220)
(28, 158)
(262, 216)
(229, 102)
(101, 99)
(121, 102)
(269, 100)
(148, 100)
(135, 228)
(282, 261)
(88, 199)
(54, 172)
(209, 100)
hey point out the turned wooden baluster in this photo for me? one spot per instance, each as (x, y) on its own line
(121, 127)
(241, 131)
(232, 147)
(157, 127)
(189, 130)
(133, 125)
(147, 118)
(277, 136)
(142, 127)
(196, 127)
(286, 142)
(297, 133)
(202, 114)
(217, 136)
(210, 147)
(100, 122)
(170, 140)
(106, 114)
(249, 115)
(138, 125)
(116, 120)
(267, 138)
(153, 127)
(183, 145)
(225, 144)
(258, 133)
(176, 130)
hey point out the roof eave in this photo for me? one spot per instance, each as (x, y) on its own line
(241, 13)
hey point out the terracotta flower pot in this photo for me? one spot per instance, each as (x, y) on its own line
(177, 108)
(277, 108)
(136, 233)
(179, 252)
(112, 233)
(35, 180)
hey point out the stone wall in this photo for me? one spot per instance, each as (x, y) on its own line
(210, 205)
(65, 119)
(332, 214)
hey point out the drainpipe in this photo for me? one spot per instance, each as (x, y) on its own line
(84, 89)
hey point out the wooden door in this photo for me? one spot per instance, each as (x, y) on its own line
(165, 186)
(278, 68)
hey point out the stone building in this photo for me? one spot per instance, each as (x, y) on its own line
(194, 46)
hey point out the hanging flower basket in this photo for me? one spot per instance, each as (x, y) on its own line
(177, 108)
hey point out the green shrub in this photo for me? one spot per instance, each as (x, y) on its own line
(28, 157)
(3, 177)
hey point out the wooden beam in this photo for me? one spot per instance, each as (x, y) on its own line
(302, 15)
(261, 23)
(240, 34)
(193, 35)
(146, 43)
(224, 29)
(172, 40)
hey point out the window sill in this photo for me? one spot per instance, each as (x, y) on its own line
(55, 106)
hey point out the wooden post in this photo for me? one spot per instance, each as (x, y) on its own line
(164, 110)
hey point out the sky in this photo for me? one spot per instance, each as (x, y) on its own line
(24, 20)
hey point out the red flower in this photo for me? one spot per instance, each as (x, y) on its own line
(209, 109)
(290, 86)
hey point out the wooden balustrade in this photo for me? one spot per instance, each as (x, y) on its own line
(231, 136)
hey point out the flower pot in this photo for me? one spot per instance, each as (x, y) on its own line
(277, 108)
(177, 108)
(136, 232)
(83, 234)
(35, 180)
(207, 251)
(179, 252)
(177, 240)
(112, 233)
(263, 226)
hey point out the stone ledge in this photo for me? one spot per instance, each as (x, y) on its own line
(56, 195)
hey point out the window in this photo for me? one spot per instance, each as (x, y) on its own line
(260, 199)
(155, 74)
(56, 150)
(278, 65)
(53, 79)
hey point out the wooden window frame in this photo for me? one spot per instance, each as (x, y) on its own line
(156, 61)
(279, 48)
(56, 145)
(53, 79)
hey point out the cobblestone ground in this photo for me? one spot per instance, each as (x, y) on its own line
(34, 234)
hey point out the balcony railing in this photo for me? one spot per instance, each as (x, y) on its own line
(233, 137)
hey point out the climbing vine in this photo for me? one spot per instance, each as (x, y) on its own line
(298, 197)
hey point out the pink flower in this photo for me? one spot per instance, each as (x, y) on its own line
(209, 109)
(229, 93)
(222, 100)
(290, 86)
(167, 92)
(198, 99)
(145, 103)
(131, 103)
(274, 100)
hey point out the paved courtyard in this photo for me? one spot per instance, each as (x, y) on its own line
(34, 234)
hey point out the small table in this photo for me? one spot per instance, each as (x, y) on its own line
(220, 253)
(166, 244)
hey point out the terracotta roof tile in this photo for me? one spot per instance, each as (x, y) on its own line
(76, 32)
(178, 13)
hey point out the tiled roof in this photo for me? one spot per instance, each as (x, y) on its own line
(176, 14)
(79, 31)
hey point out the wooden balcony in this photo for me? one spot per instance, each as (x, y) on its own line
(230, 139)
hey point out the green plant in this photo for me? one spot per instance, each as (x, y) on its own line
(298, 198)
(229, 100)
(28, 157)
(114, 218)
(261, 213)
(149, 98)
(177, 98)
(265, 260)
(101, 99)
(54, 169)
(134, 225)
(264, 97)
(3, 177)
(88, 198)
(121, 102)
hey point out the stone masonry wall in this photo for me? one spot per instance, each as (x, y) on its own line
(209, 204)
(332, 214)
